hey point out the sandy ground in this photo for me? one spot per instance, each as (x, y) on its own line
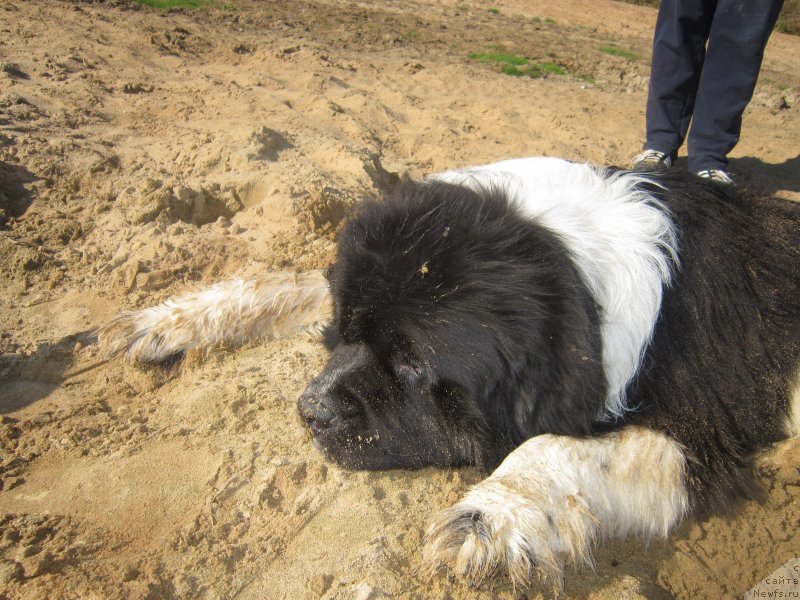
(143, 153)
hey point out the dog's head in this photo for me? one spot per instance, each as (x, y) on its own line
(460, 329)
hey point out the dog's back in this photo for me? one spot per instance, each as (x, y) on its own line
(720, 371)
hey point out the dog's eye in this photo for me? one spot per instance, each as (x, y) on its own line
(409, 369)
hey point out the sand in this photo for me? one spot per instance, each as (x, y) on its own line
(144, 153)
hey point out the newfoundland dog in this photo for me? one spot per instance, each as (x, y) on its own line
(616, 347)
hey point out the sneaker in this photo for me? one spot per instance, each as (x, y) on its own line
(652, 160)
(717, 175)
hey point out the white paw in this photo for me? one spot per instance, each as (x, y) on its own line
(500, 527)
(551, 499)
(151, 335)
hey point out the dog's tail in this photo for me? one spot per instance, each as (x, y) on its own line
(228, 314)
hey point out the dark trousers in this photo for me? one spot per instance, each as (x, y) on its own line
(706, 59)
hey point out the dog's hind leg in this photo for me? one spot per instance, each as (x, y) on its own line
(230, 313)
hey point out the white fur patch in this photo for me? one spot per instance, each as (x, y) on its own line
(621, 239)
(230, 313)
(552, 498)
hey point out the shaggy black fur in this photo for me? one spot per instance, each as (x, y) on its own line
(718, 374)
(462, 329)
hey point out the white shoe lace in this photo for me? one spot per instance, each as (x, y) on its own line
(717, 175)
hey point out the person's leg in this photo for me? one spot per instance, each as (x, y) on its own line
(739, 33)
(678, 52)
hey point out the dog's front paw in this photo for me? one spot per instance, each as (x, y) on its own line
(499, 526)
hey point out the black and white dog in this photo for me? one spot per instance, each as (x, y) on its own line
(620, 345)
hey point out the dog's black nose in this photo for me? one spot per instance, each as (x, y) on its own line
(316, 413)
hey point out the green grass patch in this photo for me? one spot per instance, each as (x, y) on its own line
(620, 52)
(498, 57)
(552, 68)
(174, 3)
(518, 66)
(494, 11)
(513, 70)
